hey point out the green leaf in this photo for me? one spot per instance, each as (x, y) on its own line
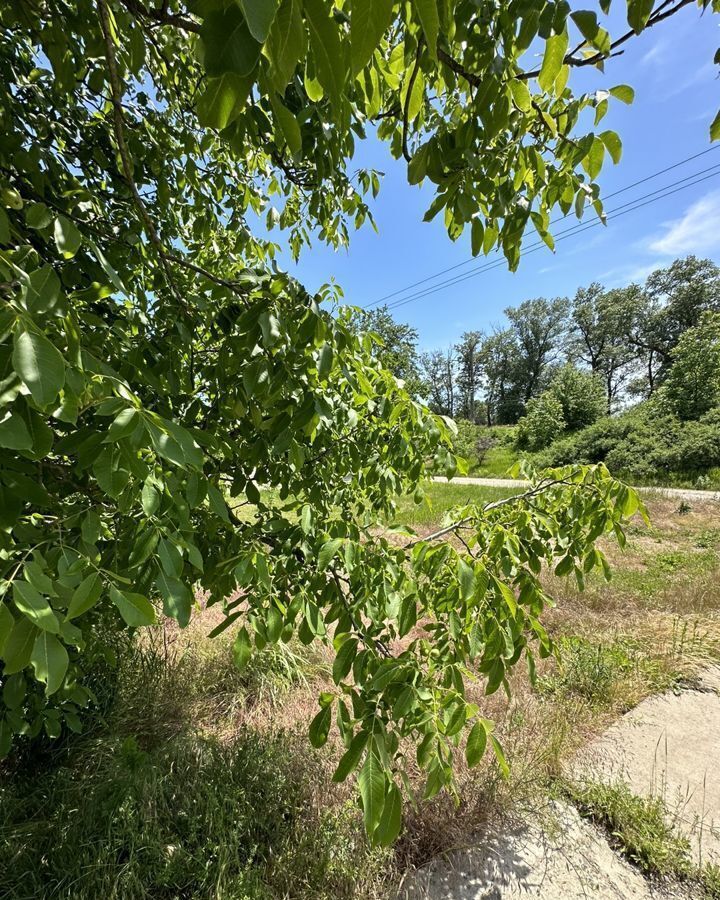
(67, 237)
(222, 99)
(327, 553)
(466, 577)
(37, 215)
(427, 13)
(40, 365)
(623, 92)
(150, 499)
(286, 43)
(371, 782)
(638, 12)
(177, 598)
(259, 15)
(135, 609)
(369, 20)
(476, 743)
(242, 649)
(4, 228)
(7, 622)
(327, 50)
(594, 159)
(43, 290)
(350, 759)
(555, 49)
(320, 727)
(228, 43)
(122, 425)
(715, 128)
(587, 23)
(391, 820)
(344, 659)
(36, 607)
(18, 646)
(50, 661)
(613, 145)
(521, 94)
(85, 595)
(500, 756)
(13, 433)
(288, 124)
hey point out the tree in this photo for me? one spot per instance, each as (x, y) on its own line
(393, 344)
(676, 299)
(439, 373)
(692, 386)
(540, 326)
(542, 423)
(601, 323)
(499, 359)
(159, 370)
(469, 373)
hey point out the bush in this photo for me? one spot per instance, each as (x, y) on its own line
(581, 394)
(472, 442)
(543, 422)
(645, 443)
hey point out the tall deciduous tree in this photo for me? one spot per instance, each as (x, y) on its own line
(601, 324)
(676, 299)
(158, 370)
(540, 327)
(469, 373)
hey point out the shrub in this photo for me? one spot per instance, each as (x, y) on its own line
(543, 422)
(581, 394)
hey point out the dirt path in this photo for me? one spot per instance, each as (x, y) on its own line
(680, 493)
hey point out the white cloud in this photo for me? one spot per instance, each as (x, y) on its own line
(698, 231)
(657, 54)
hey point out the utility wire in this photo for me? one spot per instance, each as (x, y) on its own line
(466, 262)
(580, 226)
(636, 204)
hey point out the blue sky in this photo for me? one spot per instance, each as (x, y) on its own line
(677, 94)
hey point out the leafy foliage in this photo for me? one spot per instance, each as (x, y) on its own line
(543, 422)
(179, 411)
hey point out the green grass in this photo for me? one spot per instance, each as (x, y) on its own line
(638, 827)
(496, 463)
(605, 673)
(162, 799)
(439, 498)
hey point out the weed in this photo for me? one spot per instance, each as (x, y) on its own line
(636, 826)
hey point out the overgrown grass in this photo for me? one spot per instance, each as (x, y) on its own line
(167, 798)
(638, 827)
(606, 674)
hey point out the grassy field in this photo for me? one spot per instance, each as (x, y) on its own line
(195, 781)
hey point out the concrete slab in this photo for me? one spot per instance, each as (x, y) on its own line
(564, 858)
(668, 746)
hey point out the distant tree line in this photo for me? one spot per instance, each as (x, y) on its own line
(624, 338)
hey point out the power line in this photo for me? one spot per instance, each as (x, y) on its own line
(571, 232)
(466, 262)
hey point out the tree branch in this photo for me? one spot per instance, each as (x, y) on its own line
(526, 495)
(571, 60)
